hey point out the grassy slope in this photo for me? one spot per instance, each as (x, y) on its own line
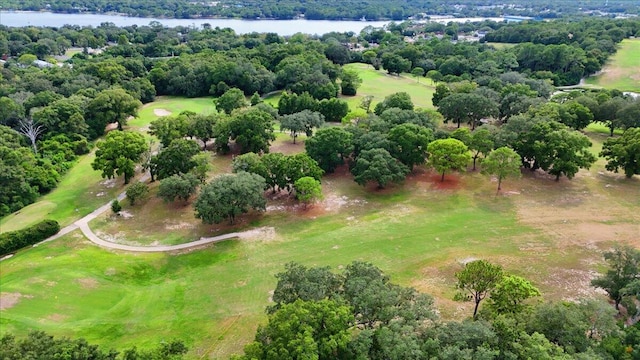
(82, 189)
(622, 72)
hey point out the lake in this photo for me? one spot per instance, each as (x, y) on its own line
(281, 27)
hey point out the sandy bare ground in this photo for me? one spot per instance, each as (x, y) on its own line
(161, 112)
(9, 300)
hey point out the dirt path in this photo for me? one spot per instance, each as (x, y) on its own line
(83, 225)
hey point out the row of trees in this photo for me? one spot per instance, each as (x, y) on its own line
(360, 314)
(331, 10)
(40, 345)
(381, 149)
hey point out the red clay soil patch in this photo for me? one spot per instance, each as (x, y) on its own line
(451, 181)
(311, 211)
(422, 177)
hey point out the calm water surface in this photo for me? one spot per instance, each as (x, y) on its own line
(282, 27)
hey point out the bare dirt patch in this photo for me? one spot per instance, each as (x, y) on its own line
(261, 234)
(179, 226)
(9, 300)
(125, 214)
(161, 112)
(451, 182)
(108, 183)
(575, 283)
(288, 147)
(88, 283)
(427, 179)
(111, 127)
(311, 211)
(57, 317)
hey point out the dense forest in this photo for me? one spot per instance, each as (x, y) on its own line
(334, 10)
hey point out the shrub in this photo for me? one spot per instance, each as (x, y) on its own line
(15, 240)
(116, 207)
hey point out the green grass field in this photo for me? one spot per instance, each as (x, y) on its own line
(213, 298)
(501, 46)
(379, 84)
(82, 190)
(622, 72)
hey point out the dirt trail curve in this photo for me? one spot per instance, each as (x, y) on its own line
(83, 225)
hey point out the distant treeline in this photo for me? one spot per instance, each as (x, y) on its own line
(315, 9)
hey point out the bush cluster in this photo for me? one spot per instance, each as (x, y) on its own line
(15, 240)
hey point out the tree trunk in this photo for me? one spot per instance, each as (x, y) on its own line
(611, 128)
(558, 177)
(499, 184)
(120, 125)
(475, 309)
(474, 162)
(442, 180)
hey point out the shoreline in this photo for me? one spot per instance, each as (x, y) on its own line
(125, 15)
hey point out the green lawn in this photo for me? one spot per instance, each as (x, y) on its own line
(379, 84)
(500, 46)
(213, 298)
(81, 191)
(173, 105)
(622, 71)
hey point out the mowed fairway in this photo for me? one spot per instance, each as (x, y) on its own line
(622, 72)
(419, 232)
(379, 84)
(213, 298)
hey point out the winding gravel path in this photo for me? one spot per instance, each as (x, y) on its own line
(83, 225)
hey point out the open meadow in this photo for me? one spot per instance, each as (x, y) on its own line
(379, 84)
(419, 232)
(622, 71)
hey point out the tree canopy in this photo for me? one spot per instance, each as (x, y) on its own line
(623, 153)
(379, 166)
(119, 153)
(448, 154)
(230, 195)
